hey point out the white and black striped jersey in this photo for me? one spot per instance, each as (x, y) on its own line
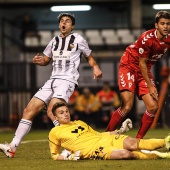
(66, 54)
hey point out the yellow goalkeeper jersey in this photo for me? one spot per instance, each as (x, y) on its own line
(77, 135)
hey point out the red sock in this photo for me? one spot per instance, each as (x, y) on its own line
(146, 123)
(116, 118)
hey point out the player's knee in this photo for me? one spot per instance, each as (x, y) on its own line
(125, 154)
(127, 108)
(153, 109)
(121, 154)
(131, 143)
(27, 114)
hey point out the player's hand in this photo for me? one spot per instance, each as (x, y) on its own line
(153, 92)
(97, 72)
(38, 59)
(74, 156)
(126, 126)
(70, 156)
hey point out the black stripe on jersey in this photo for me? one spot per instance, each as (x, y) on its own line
(71, 42)
(57, 42)
(77, 47)
(67, 63)
(60, 64)
(63, 43)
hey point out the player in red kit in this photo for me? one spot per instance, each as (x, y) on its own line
(135, 73)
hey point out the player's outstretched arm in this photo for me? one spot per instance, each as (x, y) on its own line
(97, 73)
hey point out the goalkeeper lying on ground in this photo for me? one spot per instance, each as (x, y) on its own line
(82, 142)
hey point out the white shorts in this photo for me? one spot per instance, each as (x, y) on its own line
(55, 88)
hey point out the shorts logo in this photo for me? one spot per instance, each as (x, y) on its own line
(98, 154)
(141, 50)
(123, 83)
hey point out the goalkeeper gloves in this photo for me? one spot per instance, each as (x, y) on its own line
(126, 126)
(70, 156)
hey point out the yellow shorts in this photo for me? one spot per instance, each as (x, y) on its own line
(108, 145)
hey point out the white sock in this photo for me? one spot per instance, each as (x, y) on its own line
(56, 123)
(23, 128)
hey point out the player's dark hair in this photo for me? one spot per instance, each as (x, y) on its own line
(162, 14)
(71, 16)
(57, 105)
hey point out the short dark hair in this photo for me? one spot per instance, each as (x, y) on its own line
(57, 105)
(71, 16)
(162, 14)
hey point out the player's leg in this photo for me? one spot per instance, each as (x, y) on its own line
(126, 154)
(122, 154)
(165, 155)
(37, 103)
(126, 82)
(148, 117)
(142, 155)
(127, 103)
(62, 90)
(32, 109)
(133, 144)
(150, 103)
(49, 110)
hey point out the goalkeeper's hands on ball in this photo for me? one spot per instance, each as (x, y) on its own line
(70, 156)
(126, 126)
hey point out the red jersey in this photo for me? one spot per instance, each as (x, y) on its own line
(147, 46)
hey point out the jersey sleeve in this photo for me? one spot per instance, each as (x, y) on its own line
(48, 50)
(54, 145)
(144, 45)
(84, 47)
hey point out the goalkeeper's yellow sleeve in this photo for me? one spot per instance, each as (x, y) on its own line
(54, 156)
(54, 147)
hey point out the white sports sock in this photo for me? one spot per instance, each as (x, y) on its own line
(23, 128)
(56, 123)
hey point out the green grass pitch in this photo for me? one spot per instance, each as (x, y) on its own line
(33, 154)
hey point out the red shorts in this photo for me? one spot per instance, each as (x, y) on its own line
(132, 80)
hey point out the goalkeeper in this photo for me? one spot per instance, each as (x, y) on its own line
(82, 142)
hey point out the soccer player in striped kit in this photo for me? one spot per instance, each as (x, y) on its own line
(65, 52)
(135, 73)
